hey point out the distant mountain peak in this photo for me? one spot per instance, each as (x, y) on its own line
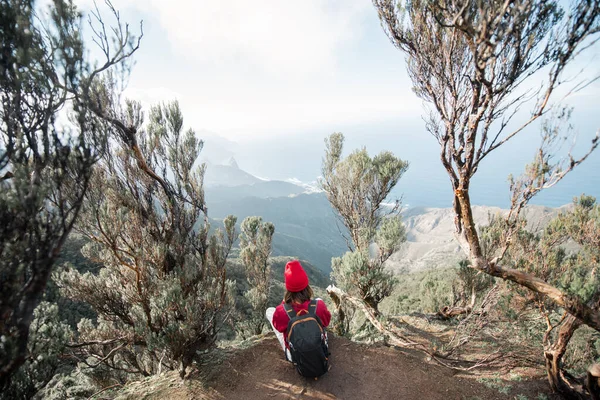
(232, 163)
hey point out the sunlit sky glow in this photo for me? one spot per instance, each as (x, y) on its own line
(260, 68)
(275, 78)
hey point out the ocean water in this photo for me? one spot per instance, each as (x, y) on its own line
(298, 155)
(427, 184)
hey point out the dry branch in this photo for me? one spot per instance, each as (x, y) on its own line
(448, 312)
(396, 339)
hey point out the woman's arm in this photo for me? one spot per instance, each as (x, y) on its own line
(323, 313)
(280, 319)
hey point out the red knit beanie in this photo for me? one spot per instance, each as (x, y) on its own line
(296, 279)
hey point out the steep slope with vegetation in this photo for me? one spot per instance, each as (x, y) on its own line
(165, 293)
(305, 224)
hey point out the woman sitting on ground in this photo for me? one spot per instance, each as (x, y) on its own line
(298, 294)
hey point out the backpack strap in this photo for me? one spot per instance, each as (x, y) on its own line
(289, 310)
(312, 307)
(312, 310)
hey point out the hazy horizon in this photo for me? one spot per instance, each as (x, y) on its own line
(268, 81)
(426, 182)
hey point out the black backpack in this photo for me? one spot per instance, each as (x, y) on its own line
(307, 341)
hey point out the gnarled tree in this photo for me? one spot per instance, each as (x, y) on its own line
(471, 61)
(465, 287)
(357, 187)
(163, 292)
(574, 271)
(45, 165)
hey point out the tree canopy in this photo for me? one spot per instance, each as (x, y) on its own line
(357, 187)
(45, 162)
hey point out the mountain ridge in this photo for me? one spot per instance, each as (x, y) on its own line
(307, 227)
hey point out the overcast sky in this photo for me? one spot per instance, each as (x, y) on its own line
(258, 68)
(278, 76)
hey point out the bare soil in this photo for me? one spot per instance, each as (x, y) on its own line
(359, 372)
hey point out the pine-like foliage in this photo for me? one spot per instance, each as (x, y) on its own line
(255, 249)
(47, 340)
(163, 293)
(565, 254)
(74, 385)
(45, 166)
(544, 253)
(357, 187)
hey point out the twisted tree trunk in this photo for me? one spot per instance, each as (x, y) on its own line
(554, 352)
(455, 310)
(341, 325)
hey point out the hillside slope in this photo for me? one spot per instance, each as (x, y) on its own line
(305, 225)
(358, 372)
(430, 234)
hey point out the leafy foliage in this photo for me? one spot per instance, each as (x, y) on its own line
(357, 187)
(45, 166)
(68, 310)
(47, 340)
(163, 293)
(256, 238)
(74, 385)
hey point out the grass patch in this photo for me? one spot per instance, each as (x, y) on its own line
(496, 383)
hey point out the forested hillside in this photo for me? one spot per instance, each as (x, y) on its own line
(306, 225)
(135, 265)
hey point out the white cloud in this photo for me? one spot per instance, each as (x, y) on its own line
(277, 37)
(261, 68)
(312, 187)
(150, 96)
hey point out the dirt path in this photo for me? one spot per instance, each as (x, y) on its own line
(358, 372)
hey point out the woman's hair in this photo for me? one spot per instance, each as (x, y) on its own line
(298, 297)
